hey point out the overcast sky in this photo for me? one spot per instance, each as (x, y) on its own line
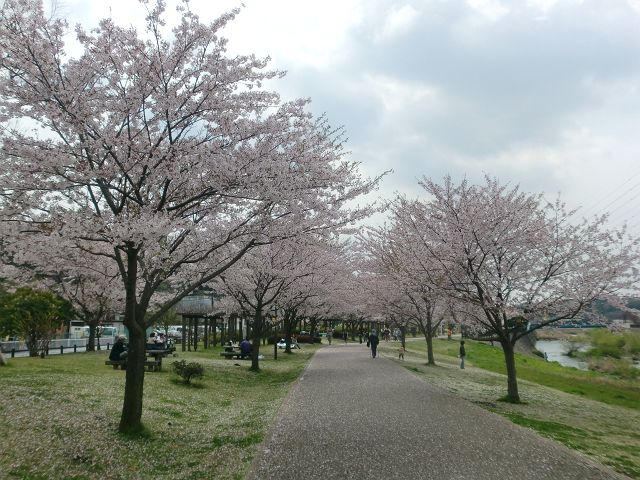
(541, 93)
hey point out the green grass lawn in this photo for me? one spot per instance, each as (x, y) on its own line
(594, 413)
(64, 411)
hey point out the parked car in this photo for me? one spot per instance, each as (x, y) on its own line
(283, 344)
(174, 332)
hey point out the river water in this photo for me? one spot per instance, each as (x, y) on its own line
(556, 351)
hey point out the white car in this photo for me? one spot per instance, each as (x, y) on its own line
(283, 344)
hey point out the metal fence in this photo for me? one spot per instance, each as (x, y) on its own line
(58, 344)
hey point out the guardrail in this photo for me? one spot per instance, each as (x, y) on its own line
(57, 344)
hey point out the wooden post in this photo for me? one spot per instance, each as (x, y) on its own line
(206, 332)
(184, 333)
(196, 322)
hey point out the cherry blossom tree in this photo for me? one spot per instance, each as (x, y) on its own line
(157, 152)
(286, 274)
(513, 256)
(91, 302)
(256, 282)
(320, 272)
(399, 287)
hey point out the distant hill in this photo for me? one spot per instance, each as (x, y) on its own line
(611, 312)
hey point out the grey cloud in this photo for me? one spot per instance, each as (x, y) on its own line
(518, 84)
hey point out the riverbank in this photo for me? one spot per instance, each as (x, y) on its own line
(600, 350)
(593, 413)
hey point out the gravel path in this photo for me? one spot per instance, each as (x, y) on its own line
(354, 417)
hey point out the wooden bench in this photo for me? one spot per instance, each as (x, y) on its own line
(235, 354)
(151, 365)
(116, 363)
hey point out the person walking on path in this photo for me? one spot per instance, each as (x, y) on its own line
(462, 354)
(329, 335)
(373, 341)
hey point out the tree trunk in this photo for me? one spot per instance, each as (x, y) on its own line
(430, 358)
(31, 341)
(130, 421)
(91, 343)
(255, 342)
(428, 336)
(314, 326)
(512, 380)
(288, 329)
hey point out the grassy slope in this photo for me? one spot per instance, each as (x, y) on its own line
(590, 412)
(593, 385)
(64, 411)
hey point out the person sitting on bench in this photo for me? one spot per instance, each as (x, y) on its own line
(119, 350)
(160, 341)
(154, 342)
(245, 348)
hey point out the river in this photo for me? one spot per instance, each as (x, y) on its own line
(556, 351)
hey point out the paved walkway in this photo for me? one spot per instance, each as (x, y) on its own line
(354, 417)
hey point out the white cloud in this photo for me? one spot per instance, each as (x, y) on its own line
(397, 21)
(492, 10)
(398, 97)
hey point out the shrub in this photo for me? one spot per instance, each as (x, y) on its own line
(633, 343)
(188, 371)
(606, 344)
(612, 366)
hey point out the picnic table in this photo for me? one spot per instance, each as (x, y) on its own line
(154, 355)
(157, 355)
(233, 351)
(152, 365)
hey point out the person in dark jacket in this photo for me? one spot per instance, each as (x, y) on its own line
(462, 354)
(245, 348)
(119, 350)
(373, 342)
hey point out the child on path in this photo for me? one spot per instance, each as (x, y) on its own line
(401, 353)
